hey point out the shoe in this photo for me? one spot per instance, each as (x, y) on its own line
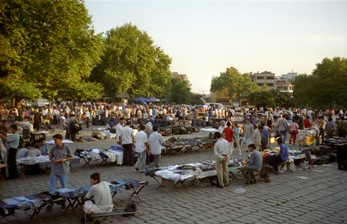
(226, 185)
(137, 169)
(220, 186)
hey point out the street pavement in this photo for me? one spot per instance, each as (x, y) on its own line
(316, 195)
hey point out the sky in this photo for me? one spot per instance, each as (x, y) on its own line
(205, 37)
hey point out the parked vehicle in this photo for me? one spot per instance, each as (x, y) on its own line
(214, 105)
(40, 102)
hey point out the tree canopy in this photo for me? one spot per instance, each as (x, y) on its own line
(47, 49)
(272, 98)
(180, 91)
(132, 64)
(236, 84)
(326, 87)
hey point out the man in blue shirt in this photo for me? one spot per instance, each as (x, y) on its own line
(277, 159)
(255, 162)
(265, 134)
(59, 156)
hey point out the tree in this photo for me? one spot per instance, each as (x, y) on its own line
(48, 49)
(181, 91)
(132, 64)
(272, 98)
(234, 83)
(197, 98)
(326, 87)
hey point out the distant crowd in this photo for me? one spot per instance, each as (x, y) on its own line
(32, 119)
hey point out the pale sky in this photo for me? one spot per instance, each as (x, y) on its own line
(204, 37)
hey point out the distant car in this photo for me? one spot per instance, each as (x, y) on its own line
(88, 103)
(40, 102)
(26, 103)
(215, 105)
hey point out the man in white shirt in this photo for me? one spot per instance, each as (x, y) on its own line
(127, 141)
(101, 194)
(248, 130)
(221, 127)
(256, 138)
(155, 142)
(119, 128)
(141, 147)
(221, 152)
(87, 118)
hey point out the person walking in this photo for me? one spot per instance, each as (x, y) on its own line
(237, 137)
(294, 127)
(248, 132)
(282, 126)
(221, 153)
(155, 142)
(141, 147)
(228, 134)
(256, 138)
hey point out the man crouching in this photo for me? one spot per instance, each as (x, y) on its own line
(101, 195)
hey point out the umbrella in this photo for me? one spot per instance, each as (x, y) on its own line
(152, 100)
(140, 100)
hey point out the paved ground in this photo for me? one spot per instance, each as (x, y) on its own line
(322, 198)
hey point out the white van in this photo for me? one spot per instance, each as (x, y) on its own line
(215, 105)
(40, 102)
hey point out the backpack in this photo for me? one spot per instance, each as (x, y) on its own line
(74, 126)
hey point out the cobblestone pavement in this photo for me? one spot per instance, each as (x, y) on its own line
(288, 198)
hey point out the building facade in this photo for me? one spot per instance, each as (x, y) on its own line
(179, 76)
(264, 78)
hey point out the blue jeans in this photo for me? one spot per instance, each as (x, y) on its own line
(283, 136)
(53, 181)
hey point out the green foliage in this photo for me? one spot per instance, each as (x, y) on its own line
(196, 98)
(326, 87)
(181, 91)
(132, 64)
(48, 49)
(272, 98)
(237, 84)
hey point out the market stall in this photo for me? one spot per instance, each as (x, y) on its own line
(42, 161)
(182, 174)
(307, 137)
(73, 196)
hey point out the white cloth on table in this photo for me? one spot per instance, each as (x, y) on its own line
(118, 156)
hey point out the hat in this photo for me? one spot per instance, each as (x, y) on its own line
(58, 136)
(72, 114)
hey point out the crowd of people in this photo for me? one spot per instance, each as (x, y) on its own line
(256, 128)
(259, 126)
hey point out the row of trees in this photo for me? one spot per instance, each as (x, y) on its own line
(49, 49)
(325, 88)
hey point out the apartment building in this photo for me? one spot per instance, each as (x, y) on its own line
(264, 78)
